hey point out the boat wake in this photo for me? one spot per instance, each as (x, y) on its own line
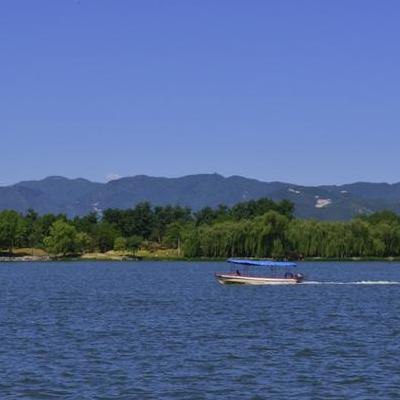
(353, 283)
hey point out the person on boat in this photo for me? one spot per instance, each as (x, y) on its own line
(238, 272)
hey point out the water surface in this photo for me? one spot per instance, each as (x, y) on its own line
(165, 330)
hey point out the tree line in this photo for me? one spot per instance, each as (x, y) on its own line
(256, 228)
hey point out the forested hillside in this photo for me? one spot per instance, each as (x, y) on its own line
(79, 197)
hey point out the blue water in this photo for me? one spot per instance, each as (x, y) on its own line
(169, 331)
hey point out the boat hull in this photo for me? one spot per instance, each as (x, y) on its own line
(233, 279)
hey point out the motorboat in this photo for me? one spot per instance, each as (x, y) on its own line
(242, 275)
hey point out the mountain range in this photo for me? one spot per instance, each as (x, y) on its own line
(56, 194)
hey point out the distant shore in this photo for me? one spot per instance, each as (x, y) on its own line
(38, 255)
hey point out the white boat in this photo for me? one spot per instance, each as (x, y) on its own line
(229, 279)
(240, 278)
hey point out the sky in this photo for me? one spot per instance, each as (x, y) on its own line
(300, 91)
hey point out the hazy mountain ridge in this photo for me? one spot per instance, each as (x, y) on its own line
(80, 196)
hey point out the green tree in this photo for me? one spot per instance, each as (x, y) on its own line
(278, 252)
(62, 239)
(84, 242)
(86, 223)
(191, 246)
(105, 235)
(120, 244)
(12, 230)
(133, 242)
(173, 235)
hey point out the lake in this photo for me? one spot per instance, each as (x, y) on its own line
(168, 330)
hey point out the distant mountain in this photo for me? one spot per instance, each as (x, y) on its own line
(57, 194)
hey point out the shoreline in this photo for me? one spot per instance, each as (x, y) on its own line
(131, 258)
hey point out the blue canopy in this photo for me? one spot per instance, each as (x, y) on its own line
(262, 263)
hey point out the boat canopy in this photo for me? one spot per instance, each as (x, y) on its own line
(262, 263)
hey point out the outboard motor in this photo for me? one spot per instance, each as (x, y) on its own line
(299, 278)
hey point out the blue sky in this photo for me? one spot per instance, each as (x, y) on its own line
(300, 91)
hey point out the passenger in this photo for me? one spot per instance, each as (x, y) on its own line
(238, 272)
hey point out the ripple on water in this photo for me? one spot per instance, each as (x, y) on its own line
(169, 331)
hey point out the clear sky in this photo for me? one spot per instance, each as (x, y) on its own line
(300, 91)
